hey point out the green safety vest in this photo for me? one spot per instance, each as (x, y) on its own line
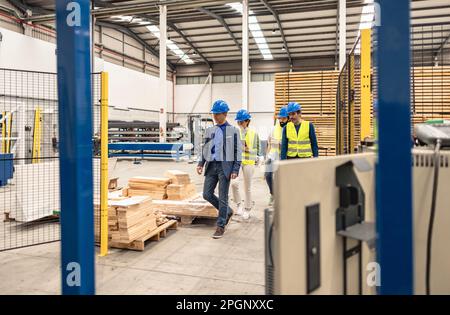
(299, 144)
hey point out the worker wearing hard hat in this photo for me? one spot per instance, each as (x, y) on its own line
(299, 137)
(250, 152)
(273, 149)
(221, 158)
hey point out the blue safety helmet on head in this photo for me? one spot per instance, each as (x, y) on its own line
(243, 115)
(220, 107)
(293, 107)
(283, 113)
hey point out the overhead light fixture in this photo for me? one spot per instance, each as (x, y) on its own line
(273, 31)
(283, 48)
(194, 53)
(170, 44)
(255, 29)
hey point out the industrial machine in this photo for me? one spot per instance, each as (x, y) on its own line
(141, 139)
(322, 236)
(197, 126)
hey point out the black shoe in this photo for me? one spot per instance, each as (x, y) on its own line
(219, 232)
(229, 217)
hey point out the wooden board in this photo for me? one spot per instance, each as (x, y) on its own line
(195, 208)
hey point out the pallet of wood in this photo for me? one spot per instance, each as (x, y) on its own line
(155, 187)
(135, 218)
(154, 235)
(188, 209)
(178, 177)
(181, 187)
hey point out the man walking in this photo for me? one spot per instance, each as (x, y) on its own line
(299, 139)
(221, 158)
(273, 148)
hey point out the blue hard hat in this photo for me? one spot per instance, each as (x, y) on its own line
(219, 107)
(293, 107)
(243, 115)
(283, 113)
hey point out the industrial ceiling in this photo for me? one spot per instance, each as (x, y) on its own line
(210, 31)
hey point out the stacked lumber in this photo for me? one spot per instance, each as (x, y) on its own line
(187, 209)
(316, 92)
(113, 225)
(135, 218)
(178, 177)
(181, 186)
(180, 192)
(155, 187)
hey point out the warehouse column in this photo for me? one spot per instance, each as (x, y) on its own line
(245, 62)
(342, 33)
(75, 132)
(162, 73)
(394, 217)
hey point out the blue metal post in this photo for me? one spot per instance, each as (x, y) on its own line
(394, 215)
(75, 131)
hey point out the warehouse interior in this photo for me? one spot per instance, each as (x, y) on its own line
(105, 107)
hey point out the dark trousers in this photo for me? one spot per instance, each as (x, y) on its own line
(269, 181)
(214, 174)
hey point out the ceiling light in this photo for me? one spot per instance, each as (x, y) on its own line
(283, 48)
(255, 29)
(170, 44)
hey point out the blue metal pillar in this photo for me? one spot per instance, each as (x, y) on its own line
(75, 132)
(394, 215)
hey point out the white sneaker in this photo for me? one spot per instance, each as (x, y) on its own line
(246, 214)
(240, 210)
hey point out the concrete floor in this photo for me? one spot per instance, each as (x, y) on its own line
(188, 261)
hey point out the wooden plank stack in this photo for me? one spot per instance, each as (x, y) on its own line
(316, 92)
(187, 209)
(129, 219)
(155, 187)
(135, 218)
(181, 186)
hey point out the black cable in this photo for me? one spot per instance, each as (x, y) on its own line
(270, 244)
(432, 214)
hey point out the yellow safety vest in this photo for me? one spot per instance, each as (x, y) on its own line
(299, 145)
(276, 139)
(249, 158)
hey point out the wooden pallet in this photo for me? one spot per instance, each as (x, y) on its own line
(155, 235)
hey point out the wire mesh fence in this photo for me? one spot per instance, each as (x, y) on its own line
(29, 158)
(430, 75)
(348, 103)
(430, 84)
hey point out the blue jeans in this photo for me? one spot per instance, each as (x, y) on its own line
(214, 174)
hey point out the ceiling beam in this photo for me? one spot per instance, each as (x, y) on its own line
(280, 27)
(169, 24)
(179, 32)
(223, 23)
(24, 7)
(128, 32)
(441, 47)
